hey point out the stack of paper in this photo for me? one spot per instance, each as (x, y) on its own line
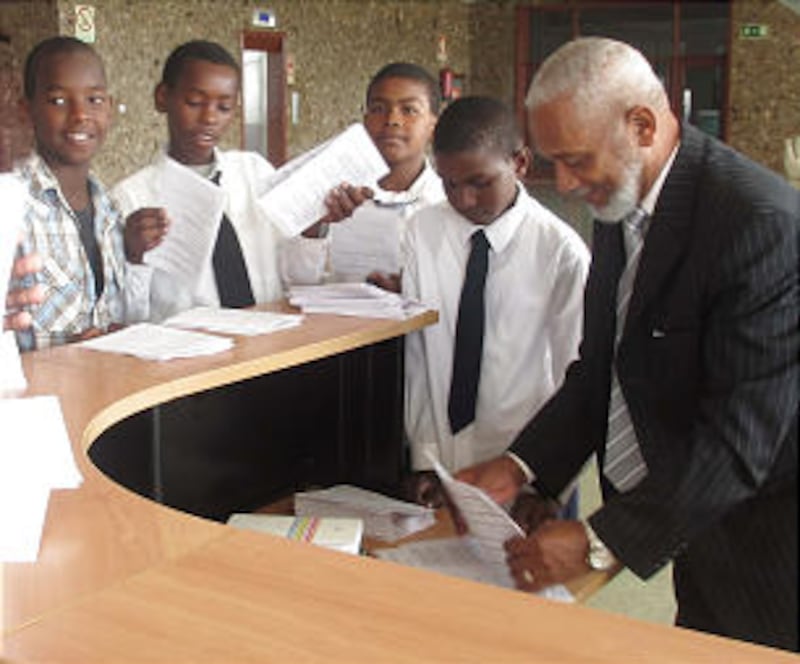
(480, 554)
(156, 342)
(384, 518)
(333, 533)
(294, 197)
(35, 457)
(234, 321)
(353, 299)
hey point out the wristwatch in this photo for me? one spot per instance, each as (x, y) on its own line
(599, 556)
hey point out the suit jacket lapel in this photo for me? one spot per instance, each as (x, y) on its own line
(670, 227)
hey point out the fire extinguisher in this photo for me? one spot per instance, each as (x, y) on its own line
(446, 82)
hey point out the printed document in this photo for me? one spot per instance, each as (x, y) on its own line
(157, 342)
(479, 555)
(35, 457)
(294, 197)
(194, 206)
(353, 299)
(234, 321)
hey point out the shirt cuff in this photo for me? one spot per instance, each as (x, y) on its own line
(529, 474)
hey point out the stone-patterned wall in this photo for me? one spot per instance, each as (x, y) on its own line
(336, 44)
(765, 81)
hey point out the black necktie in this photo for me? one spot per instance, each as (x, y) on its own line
(469, 337)
(230, 271)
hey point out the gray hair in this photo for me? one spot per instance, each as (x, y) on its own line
(600, 75)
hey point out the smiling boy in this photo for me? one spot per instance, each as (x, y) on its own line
(70, 221)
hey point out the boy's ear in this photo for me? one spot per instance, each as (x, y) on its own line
(160, 97)
(522, 161)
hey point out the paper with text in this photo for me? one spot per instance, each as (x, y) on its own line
(234, 321)
(194, 206)
(294, 197)
(367, 242)
(158, 342)
(35, 457)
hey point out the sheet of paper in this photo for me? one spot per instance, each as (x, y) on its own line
(455, 556)
(158, 342)
(234, 321)
(367, 242)
(384, 518)
(194, 206)
(35, 457)
(294, 196)
(353, 299)
(12, 194)
(488, 524)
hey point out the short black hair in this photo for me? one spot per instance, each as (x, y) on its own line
(477, 123)
(46, 49)
(197, 49)
(414, 73)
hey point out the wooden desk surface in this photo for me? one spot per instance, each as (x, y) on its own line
(120, 578)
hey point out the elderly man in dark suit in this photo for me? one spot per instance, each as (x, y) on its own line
(686, 387)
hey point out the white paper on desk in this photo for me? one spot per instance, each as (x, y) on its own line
(368, 241)
(384, 518)
(12, 194)
(455, 556)
(158, 342)
(353, 299)
(35, 457)
(234, 321)
(294, 197)
(194, 206)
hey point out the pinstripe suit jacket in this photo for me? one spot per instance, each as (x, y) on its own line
(708, 363)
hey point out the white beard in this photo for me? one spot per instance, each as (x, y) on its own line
(625, 199)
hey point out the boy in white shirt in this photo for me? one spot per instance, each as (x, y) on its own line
(530, 292)
(198, 93)
(402, 104)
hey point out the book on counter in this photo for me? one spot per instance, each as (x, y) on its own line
(340, 534)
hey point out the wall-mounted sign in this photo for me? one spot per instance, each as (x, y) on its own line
(84, 23)
(753, 31)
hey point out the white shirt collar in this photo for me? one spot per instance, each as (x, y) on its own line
(648, 203)
(502, 229)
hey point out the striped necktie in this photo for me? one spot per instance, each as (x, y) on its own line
(624, 464)
(469, 337)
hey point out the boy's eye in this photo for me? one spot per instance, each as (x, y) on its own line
(225, 108)
(97, 100)
(376, 109)
(56, 101)
(411, 110)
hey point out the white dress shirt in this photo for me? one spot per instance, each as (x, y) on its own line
(243, 175)
(534, 307)
(307, 260)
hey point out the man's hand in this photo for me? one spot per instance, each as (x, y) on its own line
(16, 317)
(530, 510)
(423, 487)
(501, 478)
(144, 230)
(555, 553)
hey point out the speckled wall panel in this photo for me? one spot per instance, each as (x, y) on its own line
(765, 81)
(336, 44)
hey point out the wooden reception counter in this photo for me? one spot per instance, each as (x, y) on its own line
(123, 578)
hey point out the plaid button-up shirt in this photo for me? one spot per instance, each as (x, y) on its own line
(71, 305)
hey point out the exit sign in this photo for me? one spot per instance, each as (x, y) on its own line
(753, 31)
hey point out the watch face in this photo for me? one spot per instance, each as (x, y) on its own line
(600, 559)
